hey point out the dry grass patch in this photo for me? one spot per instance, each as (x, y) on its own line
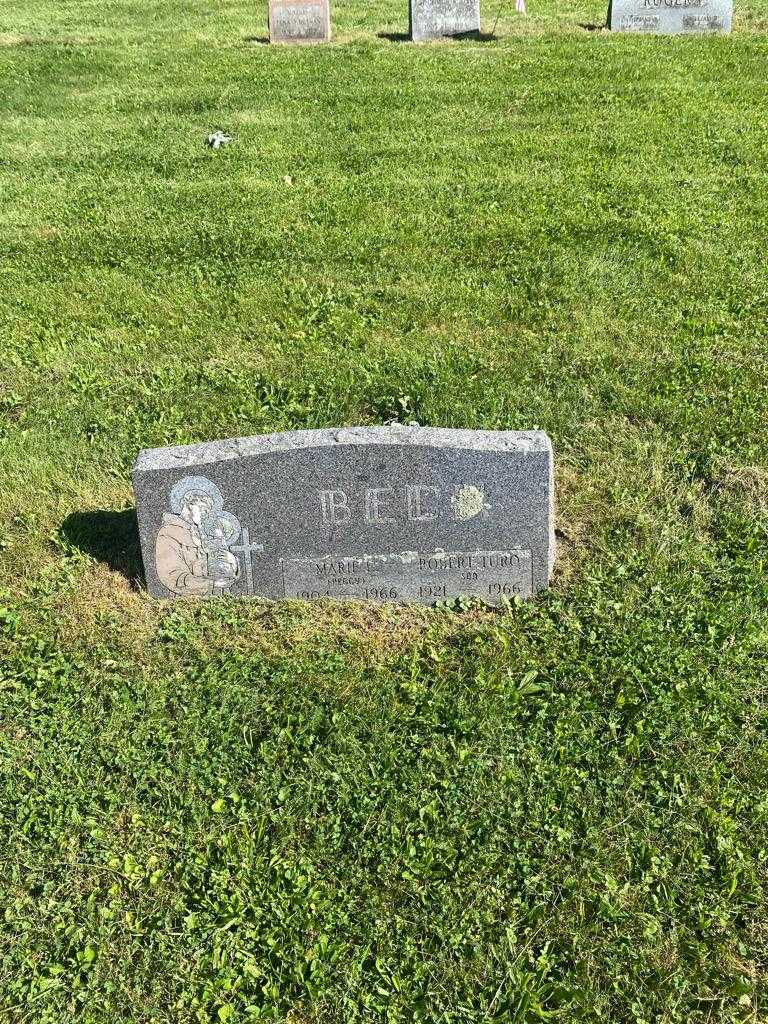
(746, 483)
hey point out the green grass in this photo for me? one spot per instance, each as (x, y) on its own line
(319, 813)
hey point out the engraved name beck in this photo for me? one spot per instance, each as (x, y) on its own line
(414, 503)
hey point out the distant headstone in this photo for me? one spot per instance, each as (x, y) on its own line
(671, 17)
(386, 513)
(299, 21)
(435, 19)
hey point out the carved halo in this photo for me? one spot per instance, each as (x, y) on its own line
(195, 485)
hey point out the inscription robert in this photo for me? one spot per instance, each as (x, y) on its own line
(411, 576)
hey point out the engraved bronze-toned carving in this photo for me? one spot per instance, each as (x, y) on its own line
(192, 549)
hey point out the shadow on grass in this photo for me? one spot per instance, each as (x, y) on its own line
(110, 537)
(263, 40)
(478, 37)
(404, 37)
(591, 26)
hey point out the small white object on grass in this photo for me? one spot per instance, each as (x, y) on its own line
(217, 139)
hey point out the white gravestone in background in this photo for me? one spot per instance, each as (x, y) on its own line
(436, 19)
(299, 21)
(671, 17)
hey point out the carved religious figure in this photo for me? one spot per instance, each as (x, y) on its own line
(192, 549)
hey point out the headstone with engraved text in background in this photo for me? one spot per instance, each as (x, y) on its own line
(436, 19)
(386, 513)
(671, 17)
(299, 21)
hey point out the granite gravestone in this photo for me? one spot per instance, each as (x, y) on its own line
(435, 19)
(386, 513)
(299, 21)
(671, 17)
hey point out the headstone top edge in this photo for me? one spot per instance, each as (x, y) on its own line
(185, 456)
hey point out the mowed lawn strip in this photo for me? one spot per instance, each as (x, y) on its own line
(312, 813)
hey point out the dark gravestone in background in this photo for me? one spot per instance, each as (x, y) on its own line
(671, 17)
(435, 19)
(299, 21)
(386, 513)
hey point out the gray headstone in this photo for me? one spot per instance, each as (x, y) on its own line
(299, 21)
(671, 17)
(386, 513)
(435, 19)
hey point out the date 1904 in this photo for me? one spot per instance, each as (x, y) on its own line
(411, 576)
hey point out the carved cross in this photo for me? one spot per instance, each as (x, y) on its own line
(247, 549)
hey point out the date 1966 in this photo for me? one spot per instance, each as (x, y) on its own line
(412, 576)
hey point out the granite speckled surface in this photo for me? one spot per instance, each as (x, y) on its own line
(671, 17)
(436, 19)
(386, 513)
(299, 21)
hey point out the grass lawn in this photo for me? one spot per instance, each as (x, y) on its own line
(238, 811)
